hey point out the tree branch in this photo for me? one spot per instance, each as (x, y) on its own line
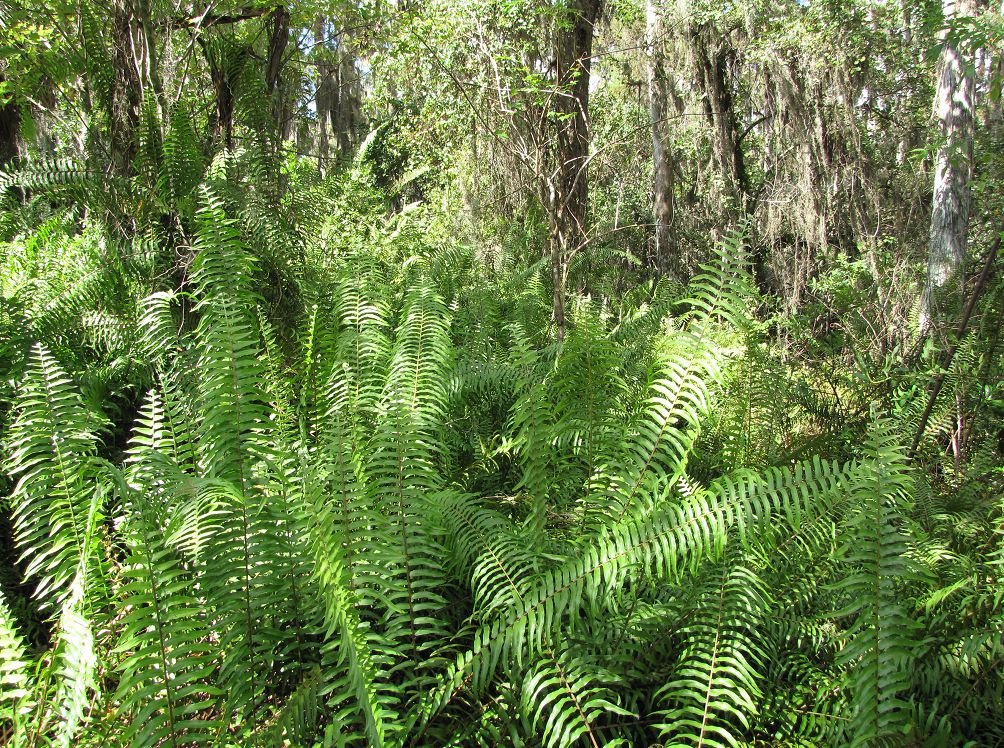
(960, 331)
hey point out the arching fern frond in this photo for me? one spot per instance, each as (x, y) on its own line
(232, 396)
(165, 687)
(658, 542)
(714, 692)
(77, 682)
(679, 394)
(402, 475)
(487, 547)
(53, 446)
(16, 683)
(359, 687)
(566, 701)
(882, 643)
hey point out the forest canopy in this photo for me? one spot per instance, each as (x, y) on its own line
(537, 373)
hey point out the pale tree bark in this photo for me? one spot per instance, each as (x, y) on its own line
(662, 145)
(954, 105)
(322, 100)
(346, 112)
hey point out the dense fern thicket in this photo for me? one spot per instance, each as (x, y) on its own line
(305, 471)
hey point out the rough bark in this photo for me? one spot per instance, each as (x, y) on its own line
(715, 59)
(222, 120)
(127, 86)
(953, 170)
(346, 114)
(278, 40)
(662, 145)
(10, 126)
(567, 197)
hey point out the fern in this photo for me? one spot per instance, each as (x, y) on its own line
(881, 642)
(165, 684)
(344, 626)
(714, 691)
(77, 684)
(15, 676)
(661, 542)
(53, 446)
(679, 394)
(401, 473)
(566, 701)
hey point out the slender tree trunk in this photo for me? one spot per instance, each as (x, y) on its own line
(715, 59)
(995, 110)
(345, 115)
(953, 170)
(568, 192)
(662, 147)
(221, 121)
(127, 86)
(278, 40)
(10, 127)
(323, 99)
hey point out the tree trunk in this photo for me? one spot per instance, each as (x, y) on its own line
(715, 59)
(10, 127)
(995, 110)
(322, 100)
(221, 121)
(568, 196)
(127, 87)
(662, 147)
(953, 102)
(345, 115)
(278, 40)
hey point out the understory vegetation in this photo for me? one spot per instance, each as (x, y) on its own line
(301, 455)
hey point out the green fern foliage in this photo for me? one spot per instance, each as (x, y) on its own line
(317, 477)
(15, 676)
(714, 692)
(165, 687)
(567, 701)
(77, 683)
(883, 634)
(53, 451)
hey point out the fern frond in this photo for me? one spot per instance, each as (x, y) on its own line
(724, 289)
(236, 594)
(232, 397)
(299, 720)
(183, 165)
(715, 692)
(358, 371)
(15, 673)
(166, 685)
(158, 328)
(486, 547)
(53, 446)
(402, 474)
(881, 643)
(659, 542)
(565, 700)
(343, 623)
(78, 665)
